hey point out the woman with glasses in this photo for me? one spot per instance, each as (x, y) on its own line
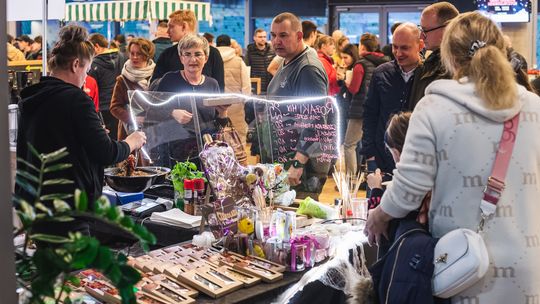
(193, 51)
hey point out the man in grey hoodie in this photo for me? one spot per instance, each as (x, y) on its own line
(300, 74)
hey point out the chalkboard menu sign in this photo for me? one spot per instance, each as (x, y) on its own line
(308, 126)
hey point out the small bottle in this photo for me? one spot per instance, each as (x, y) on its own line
(188, 197)
(198, 195)
(179, 200)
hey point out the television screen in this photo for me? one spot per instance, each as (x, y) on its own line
(506, 10)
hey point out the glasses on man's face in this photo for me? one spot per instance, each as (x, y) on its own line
(423, 31)
(196, 55)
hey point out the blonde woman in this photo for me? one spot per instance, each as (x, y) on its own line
(135, 75)
(450, 149)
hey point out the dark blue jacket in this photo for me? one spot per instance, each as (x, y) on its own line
(388, 94)
(403, 274)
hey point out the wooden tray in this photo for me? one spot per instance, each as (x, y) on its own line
(202, 280)
(102, 294)
(165, 292)
(148, 298)
(261, 262)
(267, 275)
(246, 278)
(174, 284)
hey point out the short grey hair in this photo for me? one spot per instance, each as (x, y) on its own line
(193, 41)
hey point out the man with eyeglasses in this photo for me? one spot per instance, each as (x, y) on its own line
(182, 23)
(433, 22)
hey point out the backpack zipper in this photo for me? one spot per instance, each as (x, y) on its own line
(393, 270)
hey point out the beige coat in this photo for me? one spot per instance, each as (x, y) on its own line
(237, 80)
(14, 54)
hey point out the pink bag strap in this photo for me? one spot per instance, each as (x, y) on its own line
(495, 184)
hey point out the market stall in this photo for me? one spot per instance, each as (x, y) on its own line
(229, 229)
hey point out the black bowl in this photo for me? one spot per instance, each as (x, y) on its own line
(130, 183)
(161, 173)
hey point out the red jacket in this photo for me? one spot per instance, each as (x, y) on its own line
(328, 64)
(91, 88)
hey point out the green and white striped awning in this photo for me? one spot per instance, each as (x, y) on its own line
(133, 10)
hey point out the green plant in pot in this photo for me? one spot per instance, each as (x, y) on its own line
(180, 172)
(57, 258)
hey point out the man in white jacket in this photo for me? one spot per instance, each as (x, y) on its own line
(237, 80)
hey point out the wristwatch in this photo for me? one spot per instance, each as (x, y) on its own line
(297, 164)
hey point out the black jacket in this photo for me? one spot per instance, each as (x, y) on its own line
(56, 114)
(431, 70)
(388, 94)
(105, 68)
(259, 60)
(160, 45)
(169, 61)
(369, 63)
(403, 274)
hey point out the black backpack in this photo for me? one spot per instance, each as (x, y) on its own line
(403, 274)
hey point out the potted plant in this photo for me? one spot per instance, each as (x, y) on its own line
(180, 172)
(44, 273)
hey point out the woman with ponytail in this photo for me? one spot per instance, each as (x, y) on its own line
(450, 149)
(56, 113)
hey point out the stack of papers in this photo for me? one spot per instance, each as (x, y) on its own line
(176, 217)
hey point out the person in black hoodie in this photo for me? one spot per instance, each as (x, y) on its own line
(106, 66)
(57, 113)
(182, 23)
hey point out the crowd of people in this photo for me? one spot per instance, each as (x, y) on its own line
(455, 72)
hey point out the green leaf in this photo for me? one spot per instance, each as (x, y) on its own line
(127, 222)
(127, 295)
(54, 156)
(25, 219)
(130, 276)
(26, 186)
(67, 289)
(49, 238)
(61, 219)
(102, 205)
(34, 151)
(57, 181)
(43, 208)
(28, 164)
(67, 300)
(28, 210)
(113, 213)
(60, 196)
(87, 255)
(104, 258)
(57, 167)
(81, 200)
(113, 273)
(74, 280)
(28, 176)
(61, 206)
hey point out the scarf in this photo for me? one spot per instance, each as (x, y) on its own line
(141, 76)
